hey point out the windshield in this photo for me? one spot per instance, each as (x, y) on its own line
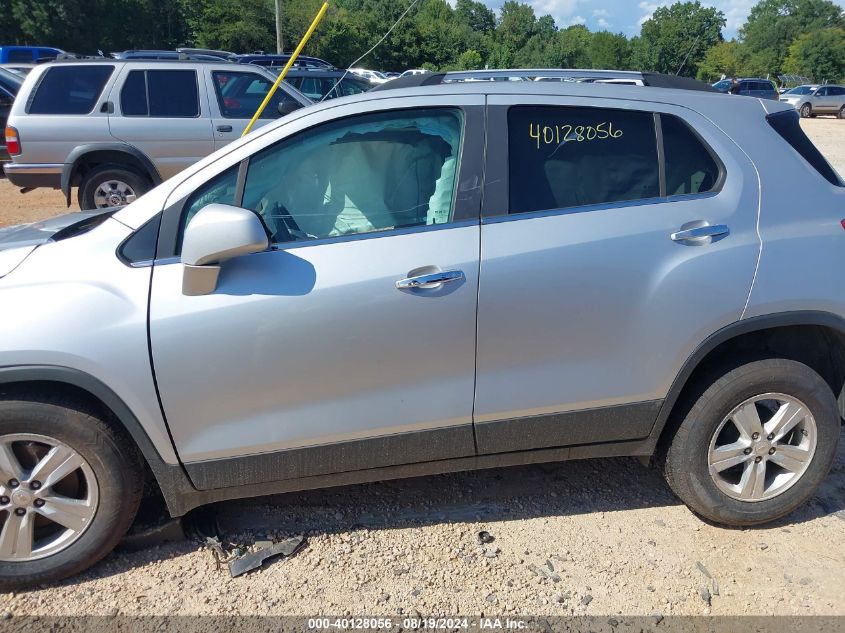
(722, 85)
(801, 90)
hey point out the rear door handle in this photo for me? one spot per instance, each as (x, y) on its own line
(432, 280)
(700, 234)
(224, 128)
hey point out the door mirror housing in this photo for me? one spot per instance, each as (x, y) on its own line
(287, 106)
(218, 232)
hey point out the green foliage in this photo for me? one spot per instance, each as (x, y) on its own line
(609, 50)
(676, 39)
(818, 54)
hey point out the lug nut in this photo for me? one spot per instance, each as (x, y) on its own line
(747, 451)
(39, 503)
(4, 500)
(755, 436)
(34, 485)
(14, 483)
(20, 512)
(772, 450)
(758, 459)
(770, 436)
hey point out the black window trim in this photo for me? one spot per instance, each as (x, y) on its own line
(466, 201)
(496, 206)
(148, 115)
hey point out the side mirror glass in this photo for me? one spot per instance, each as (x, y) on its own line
(287, 106)
(218, 232)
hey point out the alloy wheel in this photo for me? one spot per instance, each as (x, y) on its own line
(48, 496)
(113, 193)
(763, 447)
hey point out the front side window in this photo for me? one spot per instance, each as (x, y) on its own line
(160, 93)
(561, 157)
(69, 89)
(240, 93)
(358, 175)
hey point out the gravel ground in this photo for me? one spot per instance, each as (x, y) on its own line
(596, 538)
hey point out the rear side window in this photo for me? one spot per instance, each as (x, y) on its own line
(836, 91)
(69, 89)
(690, 166)
(240, 93)
(160, 93)
(562, 157)
(786, 124)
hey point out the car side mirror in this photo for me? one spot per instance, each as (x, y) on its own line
(287, 106)
(218, 232)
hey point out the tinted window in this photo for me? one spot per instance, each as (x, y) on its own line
(220, 189)
(69, 89)
(563, 157)
(240, 93)
(173, 93)
(838, 91)
(133, 96)
(358, 175)
(787, 125)
(690, 167)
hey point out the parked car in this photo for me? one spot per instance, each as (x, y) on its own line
(165, 55)
(116, 128)
(28, 54)
(811, 100)
(302, 61)
(9, 86)
(318, 84)
(750, 87)
(20, 69)
(414, 71)
(373, 76)
(364, 291)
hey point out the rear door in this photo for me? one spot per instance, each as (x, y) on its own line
(594, 289)
(163, 110)
(235, 95)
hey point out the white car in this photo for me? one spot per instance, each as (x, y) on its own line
(373, 76)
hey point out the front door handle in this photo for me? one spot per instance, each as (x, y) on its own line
(700, 234)
(224, 128)
(432, 280)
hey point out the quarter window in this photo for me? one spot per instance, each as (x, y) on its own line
(160, 93)
(69, 89)
(359, 175)
(690, 167)
(562, 157)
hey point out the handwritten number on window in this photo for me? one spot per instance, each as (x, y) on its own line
(557, 134)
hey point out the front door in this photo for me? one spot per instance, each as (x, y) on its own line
(351, 344)
(603, 264)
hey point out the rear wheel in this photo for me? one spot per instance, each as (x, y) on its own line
(70, 485)
(806, 111)
(841, 113)
(111, 186)
(755, 444)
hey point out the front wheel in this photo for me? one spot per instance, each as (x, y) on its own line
(755, 444)
(806, 111)
(841, 113)
(70, 485)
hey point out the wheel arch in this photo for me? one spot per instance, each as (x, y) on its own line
(84, 157)
(87, 390)
(814, 338)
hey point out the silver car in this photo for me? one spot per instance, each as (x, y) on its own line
(811, 100)
(430, 279)
(117, 128)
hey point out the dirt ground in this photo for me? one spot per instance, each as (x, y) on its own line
(614, 541)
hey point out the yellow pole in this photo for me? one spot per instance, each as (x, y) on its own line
(285, 70)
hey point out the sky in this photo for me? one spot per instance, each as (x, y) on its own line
(625, 16)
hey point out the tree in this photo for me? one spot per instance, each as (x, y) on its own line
(571, 49)
(773, 25)
(818, 54)
(724, 58)
(676, 39)
(609, 50)
(476, 15)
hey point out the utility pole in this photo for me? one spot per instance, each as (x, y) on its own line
(279, 42)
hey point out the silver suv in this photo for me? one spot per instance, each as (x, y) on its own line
(811, 100)
(115, 129)
(431, 279)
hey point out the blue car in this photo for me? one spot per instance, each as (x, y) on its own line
(27, 54)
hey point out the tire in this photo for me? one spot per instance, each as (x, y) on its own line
(687, 459)
(104, 452)
(806, 111)
(841, 113)
(120, 184)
